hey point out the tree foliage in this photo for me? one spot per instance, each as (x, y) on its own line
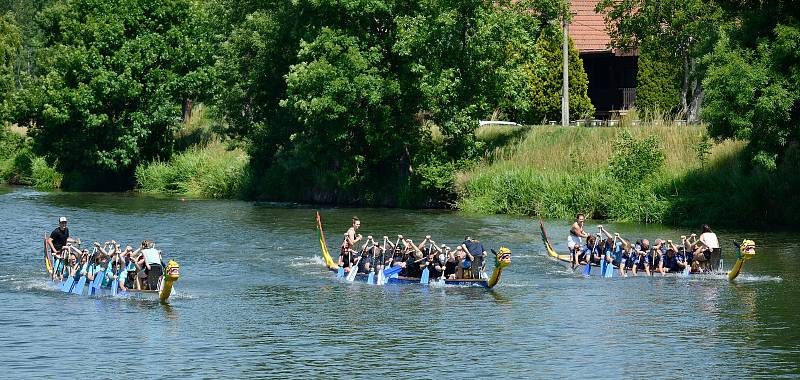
(658, 82)
(681, 31)
(754, 94)
(10, 42)
(337, 95)
(109, 82)
(546, 81)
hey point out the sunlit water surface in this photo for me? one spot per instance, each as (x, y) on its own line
(254, 301)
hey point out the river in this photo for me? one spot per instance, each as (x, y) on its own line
(253, 300)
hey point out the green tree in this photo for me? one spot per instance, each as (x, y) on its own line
(109, 82)
(658, 82)
(335, 95)
(754, 94)
(683, 28)
(545, 84)
(10, 42)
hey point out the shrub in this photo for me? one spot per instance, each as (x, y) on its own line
(210, 171)
(634, 160)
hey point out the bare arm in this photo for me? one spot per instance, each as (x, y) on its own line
(577, 231)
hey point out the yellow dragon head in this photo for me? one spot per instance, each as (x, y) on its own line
(502, 258)
(172, 272)
(747, 249)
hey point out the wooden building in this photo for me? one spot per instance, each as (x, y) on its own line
(611, 73)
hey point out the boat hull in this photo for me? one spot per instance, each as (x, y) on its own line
(152, 295)
(416, 280)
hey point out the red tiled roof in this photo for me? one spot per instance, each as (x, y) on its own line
(588, 29)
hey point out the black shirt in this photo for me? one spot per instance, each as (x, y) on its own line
(59, 237)
(412, 268)
(432, 268)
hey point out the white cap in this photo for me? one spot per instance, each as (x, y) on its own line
(62, 219)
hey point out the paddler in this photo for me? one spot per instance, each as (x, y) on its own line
(475, 248)
(152, 262)
(576, 236)
(348, 243)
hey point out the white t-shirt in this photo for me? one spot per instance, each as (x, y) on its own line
(152, 256)
(710, 239)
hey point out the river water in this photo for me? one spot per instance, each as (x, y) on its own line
(254, 301)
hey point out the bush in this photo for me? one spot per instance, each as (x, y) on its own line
(210, 171)
(635, 160)
(44, 177)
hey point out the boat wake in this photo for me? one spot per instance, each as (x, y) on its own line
(305, 261)
(755, 278)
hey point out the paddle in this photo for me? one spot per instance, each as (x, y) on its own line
(340, 272)
(95, 284)
(610, 266)
(114, 286)
(354, 266)
(425, 276)
(392, 271)
(78, 289)
(381, 279)
(66, 286)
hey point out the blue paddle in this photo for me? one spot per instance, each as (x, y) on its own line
(353, 270)
(603, 265)
(78, 289)
(425, 277)
(371, 278)
(381, 278)
(340, 273)
(95, 284)
(66, 286)
(114, 286)
(391, 271)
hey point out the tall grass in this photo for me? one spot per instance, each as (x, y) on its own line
(203, 171)
(556, 172)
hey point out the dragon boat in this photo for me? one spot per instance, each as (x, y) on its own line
(85, 287)
(502, 259)
(744, 251)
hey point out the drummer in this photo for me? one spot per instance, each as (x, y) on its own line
(576, 236)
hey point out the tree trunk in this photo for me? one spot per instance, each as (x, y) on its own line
(684, 107)
(693, 113)
(187, 110)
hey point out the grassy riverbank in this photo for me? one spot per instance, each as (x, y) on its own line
(555, 172)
